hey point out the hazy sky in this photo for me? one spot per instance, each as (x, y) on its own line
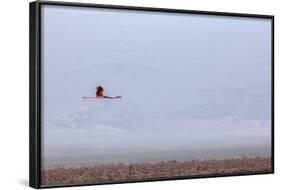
(186, 81)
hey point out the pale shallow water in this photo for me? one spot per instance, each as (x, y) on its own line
(70, 159)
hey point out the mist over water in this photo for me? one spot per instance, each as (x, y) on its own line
(189, 83)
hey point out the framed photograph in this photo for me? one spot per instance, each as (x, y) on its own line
(124, 94)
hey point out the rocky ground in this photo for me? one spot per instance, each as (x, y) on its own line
(121, 172)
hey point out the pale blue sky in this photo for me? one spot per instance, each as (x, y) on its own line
(185, 80)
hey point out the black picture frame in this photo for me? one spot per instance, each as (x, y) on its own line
(35, 85)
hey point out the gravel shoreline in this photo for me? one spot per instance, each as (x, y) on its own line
(122, 172)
